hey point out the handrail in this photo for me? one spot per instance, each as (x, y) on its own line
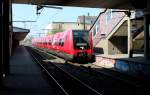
(110, 30)
(138, 31)
(97, 18)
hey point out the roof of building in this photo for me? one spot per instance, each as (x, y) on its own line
(63, 22)
(20, 33)
(17, 29)
(68, 23)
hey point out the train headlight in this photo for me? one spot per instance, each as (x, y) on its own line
(82, 48)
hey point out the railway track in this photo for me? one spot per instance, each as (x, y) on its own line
(95, 74)
(120, 77)
(67, 84)
(131, 85)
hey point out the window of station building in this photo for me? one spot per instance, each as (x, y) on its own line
(109, 15)
(94, 31)
(97, 26)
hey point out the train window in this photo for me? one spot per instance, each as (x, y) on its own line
(61, 42)
(81, 39)
(57, 42)
(50, 42)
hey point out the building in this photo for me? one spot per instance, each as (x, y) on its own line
(117, 33)
(86, 19)
(83, 22)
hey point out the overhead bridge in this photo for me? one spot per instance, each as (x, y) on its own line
(113, 4)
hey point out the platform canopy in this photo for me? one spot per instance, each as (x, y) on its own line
(113, 4)
(20, 33)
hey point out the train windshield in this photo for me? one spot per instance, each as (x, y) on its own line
(81, 39)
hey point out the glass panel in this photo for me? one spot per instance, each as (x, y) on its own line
(81, 39)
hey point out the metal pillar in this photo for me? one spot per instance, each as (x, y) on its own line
(11, 28)
(5, 36)
(1, 62)
(146, 36)
(129, 38)
(84, 22)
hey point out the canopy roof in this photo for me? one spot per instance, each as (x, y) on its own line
(20, 33)
(113, 4)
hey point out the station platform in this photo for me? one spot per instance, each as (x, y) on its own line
(137, 58)
(26, 77)
(136, 66)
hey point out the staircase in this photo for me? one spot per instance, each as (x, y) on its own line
(108, 29)
(138, 39)
(101, 40)
(112, 37)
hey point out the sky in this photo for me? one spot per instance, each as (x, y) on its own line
(23, 12)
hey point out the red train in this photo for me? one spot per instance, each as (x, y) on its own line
(73, 45)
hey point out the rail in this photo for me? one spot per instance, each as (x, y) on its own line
(88, 89)
(37, 61)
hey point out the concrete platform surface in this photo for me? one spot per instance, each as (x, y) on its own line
(137, 66)
(26, 77)
(137, 58)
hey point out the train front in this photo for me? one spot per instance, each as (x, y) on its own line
(83, 49)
